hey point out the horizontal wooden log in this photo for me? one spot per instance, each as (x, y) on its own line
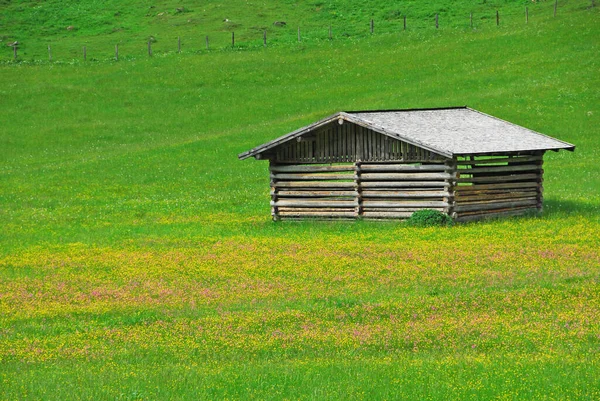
(313, 177)
(400, 209)
(501, 178)
(314, 203)
(489, 160)
(387, 215)
(404, 176)
(498, 191)
(495, 200)
(313, 194)
(317, 209)
(310, 168)
(479, 187)
(483, 197)
(499, 169)
(318, 214)
(404, 194)
(492, 215)
(314, 184)
(403, 184)
(494, 205)
(403, 167)
(420, 204)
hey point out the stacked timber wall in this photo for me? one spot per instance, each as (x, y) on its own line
(395, 191)
(352, 190)
(299, 191)
(487, 186)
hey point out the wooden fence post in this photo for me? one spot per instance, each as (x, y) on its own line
(178, 44)
(299, 39)
(436, 21)
(555, 6)
(471, 19)
(49, 53)
(207, 43)
(117, 52)
(84, 54)
(527, 15)
(15, 51)
(372, 26)
(265, 38)
(497, 18)
(150, 48)
(405, 22)
(232, 39)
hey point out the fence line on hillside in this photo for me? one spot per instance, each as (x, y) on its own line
(370, 30)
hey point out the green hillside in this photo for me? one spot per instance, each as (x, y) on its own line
(100, 25)
(137, 255)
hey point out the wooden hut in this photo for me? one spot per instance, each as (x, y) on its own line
(389, 164)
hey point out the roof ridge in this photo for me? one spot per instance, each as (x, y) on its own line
(414, 109)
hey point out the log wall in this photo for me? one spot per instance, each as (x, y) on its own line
(396, 191)
(352, 190)
(466, 188)
(488, 186)
(299, 191)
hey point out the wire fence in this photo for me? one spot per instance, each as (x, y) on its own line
(282, 33)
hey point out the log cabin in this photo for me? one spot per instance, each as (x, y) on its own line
(387, 164)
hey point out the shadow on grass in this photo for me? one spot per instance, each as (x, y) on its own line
(557, 208)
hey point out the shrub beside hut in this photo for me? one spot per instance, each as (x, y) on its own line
(388, 164)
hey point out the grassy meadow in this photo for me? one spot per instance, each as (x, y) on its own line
(138, 260)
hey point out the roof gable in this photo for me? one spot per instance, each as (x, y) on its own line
(447, 131)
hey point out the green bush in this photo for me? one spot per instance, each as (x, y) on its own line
(429, 218)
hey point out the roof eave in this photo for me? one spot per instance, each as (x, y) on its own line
(568, 146)
(500, 152)
(289, 136)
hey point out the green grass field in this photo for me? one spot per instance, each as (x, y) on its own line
(138, 260)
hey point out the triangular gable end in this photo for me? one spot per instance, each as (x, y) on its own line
(342, 138)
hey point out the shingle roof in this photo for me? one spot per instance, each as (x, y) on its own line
(448, 131)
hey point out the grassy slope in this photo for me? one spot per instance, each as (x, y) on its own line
(138, 259)
(99, 25)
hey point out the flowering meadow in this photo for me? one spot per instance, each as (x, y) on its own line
(138, 260)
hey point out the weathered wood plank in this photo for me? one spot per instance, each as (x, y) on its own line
(403, 167)
(387, 215)
(515, 159)
(402, 184)
(314, 203)
(367, 203)
(494, 205)
(313, 193)
(349, 214)
(316, 209)
(404, 176)
(401, 209)
(295, 168)
(497, 196)
(404, 194)
(315, 184)
(480, 201)
(312, 177)
(501, 178)
(479, 187)
(499, 169)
